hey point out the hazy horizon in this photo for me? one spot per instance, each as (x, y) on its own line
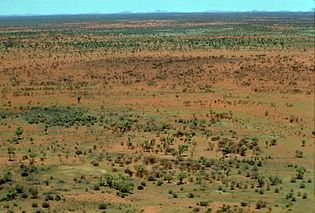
(153, 12)
(77, 7)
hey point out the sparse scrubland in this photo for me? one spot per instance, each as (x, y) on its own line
(157, 113)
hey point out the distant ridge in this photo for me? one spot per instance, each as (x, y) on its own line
(124, 12)
(161, 11)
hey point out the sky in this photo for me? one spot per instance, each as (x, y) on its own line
(49, 7)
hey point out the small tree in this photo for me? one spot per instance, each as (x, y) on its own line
(181, 149)
(129, 143)
(261, 181)
(19, 132)
(299, 154)
(107, 180)
(34, 192)
(11, 194)
(168, 177)
(11, 153)
(181, 176)
(32, 158)
(274, 180)
(140, 170)
(300, 172)
(243, 150)
(260, 204)
(7, 176)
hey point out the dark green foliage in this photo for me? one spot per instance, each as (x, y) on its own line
(151, 178)
(34, 192)
(121, 183)
(300, 172)
(196, 209)
(204, 203)
(102, 206)
(182, 148)
(24, 195)
(140, 187)
(140, 169)
(25, 170)
(175, 195)
(52, 195)
(11, 194)
(299, 154)
(45, 205)
(191, 195)
(181, 176)
(275, 180)
(225, 208)
(19, 131)
(124, 185)
(261, 181)
(228, 146)
(7, 177)
(290, 195)
(58, 116)
(124, 123)
(19, 188)
(260, 204)
(159, 183)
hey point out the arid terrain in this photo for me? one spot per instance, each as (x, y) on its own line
(202, 112)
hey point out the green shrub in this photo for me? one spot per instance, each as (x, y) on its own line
(58, 116)
(24, 195)
(58, 197)
(11, 194)
(34, 192)
(45, 205)
(96, 187)
(49, 196)
(204, 203)
(300, 172)
(151, 178)
(275, 180)
(181, 176)
(7, 176)
(260, 204)
(140, 187)
(196, 209)
(191, 195)
(159, 183)
(175, 195)
(125, 186)
(299, 154)
(102, 206)
(19, 188)
(140, 170)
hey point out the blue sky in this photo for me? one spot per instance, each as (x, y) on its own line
(22, 7)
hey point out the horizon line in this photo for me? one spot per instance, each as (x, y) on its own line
(159, 12)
